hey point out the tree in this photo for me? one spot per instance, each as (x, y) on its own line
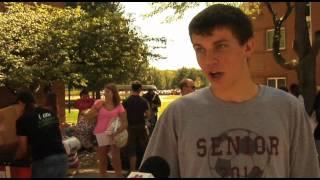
(110, 49)
(167, 78)
(180, 8)
(83, 45)
(305, 67)
(25, 59)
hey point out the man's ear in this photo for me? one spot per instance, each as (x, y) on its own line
(249, 46)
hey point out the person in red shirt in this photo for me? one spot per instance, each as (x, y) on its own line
(84, 128)
(84, 103)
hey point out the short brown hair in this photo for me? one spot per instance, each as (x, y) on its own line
(136, 86)
(221, 15)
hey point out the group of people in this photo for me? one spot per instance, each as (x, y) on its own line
(134, 113)
(232, 128)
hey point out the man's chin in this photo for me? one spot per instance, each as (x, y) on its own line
(219, 87)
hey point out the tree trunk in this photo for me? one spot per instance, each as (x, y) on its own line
(307, 64)
(307, 80)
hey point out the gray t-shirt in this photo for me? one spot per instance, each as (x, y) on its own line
(200, 135)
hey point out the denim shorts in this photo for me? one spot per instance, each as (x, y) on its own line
(54, 166)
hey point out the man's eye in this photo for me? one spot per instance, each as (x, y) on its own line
(221, 46)
(199, 50)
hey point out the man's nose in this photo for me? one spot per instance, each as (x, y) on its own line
(211, 58)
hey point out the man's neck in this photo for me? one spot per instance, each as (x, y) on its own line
(237, 94)
(134, 93)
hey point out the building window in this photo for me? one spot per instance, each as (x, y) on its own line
(277, 82)
(269, 39)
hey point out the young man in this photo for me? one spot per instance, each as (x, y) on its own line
(38, 130)
(234, 128)
(137, 111)
(186, 86)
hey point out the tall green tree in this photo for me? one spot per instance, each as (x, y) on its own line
(28, 52)
(85, 45)
(167, 77)
(113, 49)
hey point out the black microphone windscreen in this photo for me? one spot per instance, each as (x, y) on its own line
(157, 166)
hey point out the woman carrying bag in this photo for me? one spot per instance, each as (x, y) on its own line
(105, 112)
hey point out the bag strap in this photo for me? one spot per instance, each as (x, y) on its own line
(154, 97)
(117, 124)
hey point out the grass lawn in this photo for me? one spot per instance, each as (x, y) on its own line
(165, 101)
(71, 117)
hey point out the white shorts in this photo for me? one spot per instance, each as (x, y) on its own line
(104, 139)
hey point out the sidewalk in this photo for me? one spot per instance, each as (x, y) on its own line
(93, 173)
(88, 167)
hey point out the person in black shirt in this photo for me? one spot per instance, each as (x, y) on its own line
(38, 129)
(155, 103)
(137, 110)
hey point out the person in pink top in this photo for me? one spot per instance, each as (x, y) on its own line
(107, 110)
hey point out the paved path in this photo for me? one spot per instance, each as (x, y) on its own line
(92, 173)
(88, 167)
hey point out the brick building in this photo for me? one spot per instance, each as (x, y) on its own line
(262, 65)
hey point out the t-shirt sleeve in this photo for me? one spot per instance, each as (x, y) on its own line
(303, 155)
(98, 104)
(163, 141)
(21, 127)
(120, 109)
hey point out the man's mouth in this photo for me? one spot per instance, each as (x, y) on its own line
(216, 75)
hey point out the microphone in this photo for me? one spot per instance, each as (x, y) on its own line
(153, 167)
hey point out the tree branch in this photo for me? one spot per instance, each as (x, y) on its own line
(277, 37)
(288, 12)
(274, 16)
